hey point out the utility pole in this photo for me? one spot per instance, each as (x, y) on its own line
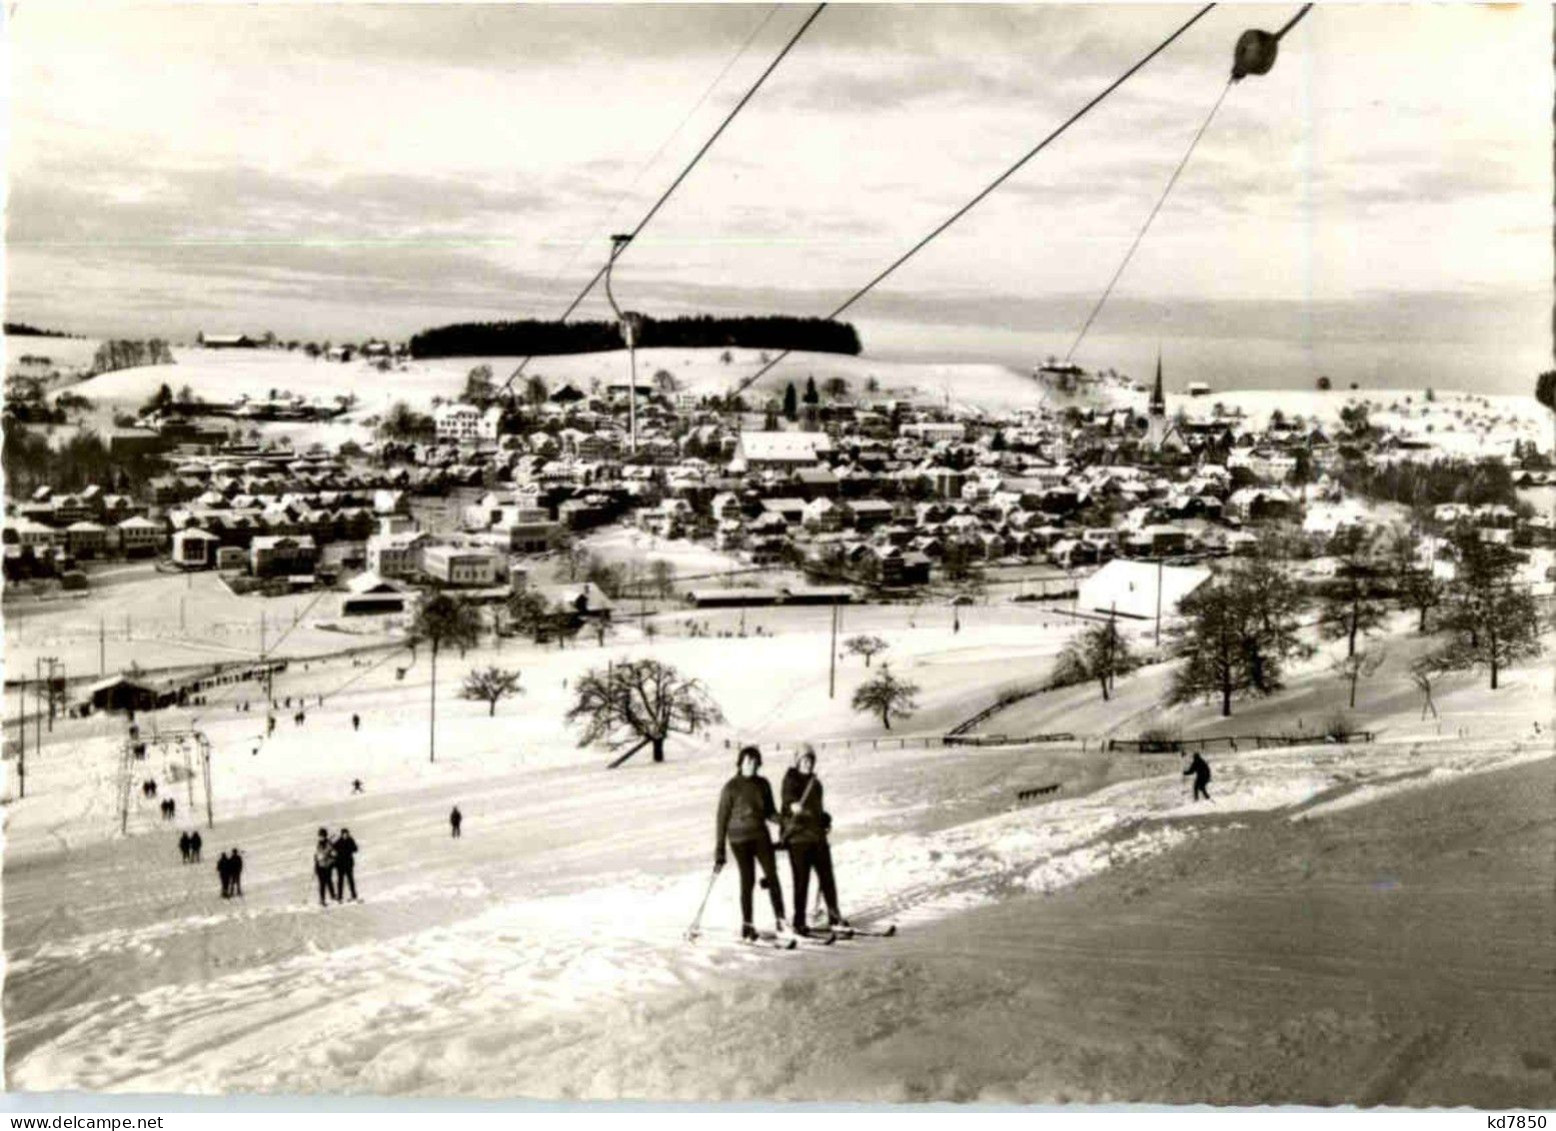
(102, 647)
(432, 714)
(1159, 563)
(832, 657)
(629, 326)
(21, 752)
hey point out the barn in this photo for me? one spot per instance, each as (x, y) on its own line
(1129, 588)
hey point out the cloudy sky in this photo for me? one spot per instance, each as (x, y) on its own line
(1378, 207)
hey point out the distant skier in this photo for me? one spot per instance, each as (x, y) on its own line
(183, 846)
(270, 725)
(356, 722)
(745, 807)
(1201, 771)
(455, 819)
(805, 825)
(194, 845)
(324, 868)
(235, 871)
(356, 785)
(345, 865)
(224, 873)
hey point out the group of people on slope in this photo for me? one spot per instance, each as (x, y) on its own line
(746, 808)
(334, 865)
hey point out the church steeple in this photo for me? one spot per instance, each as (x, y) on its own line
(1158, 397)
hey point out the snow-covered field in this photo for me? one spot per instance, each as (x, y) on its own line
(570, 889)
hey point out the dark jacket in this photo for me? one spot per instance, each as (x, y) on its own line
(1200, 769)
(235, 864)
(803, 823)
(223, 867)
(345, 852)
(745, 807)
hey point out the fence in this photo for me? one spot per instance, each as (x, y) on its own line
(1231, 742)
(1006, 739)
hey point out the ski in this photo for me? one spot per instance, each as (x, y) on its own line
(818, 938)
(769, 941)
(885, 932)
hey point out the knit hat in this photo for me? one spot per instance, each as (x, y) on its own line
(751, 752)
(806, 751)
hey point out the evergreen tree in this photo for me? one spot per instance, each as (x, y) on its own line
(791, 407)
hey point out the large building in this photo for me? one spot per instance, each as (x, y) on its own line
(781, 451)
(458, 421)
(463, 565)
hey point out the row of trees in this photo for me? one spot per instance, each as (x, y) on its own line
(1241, 630)
(1426, 485)
(124, 353)
(531, 337)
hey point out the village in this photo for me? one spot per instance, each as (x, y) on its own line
(824, 496)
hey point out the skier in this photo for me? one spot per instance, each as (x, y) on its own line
(270, 725)
(356, 722)
(356, 785)
(324, 867)
(745, 807)
(345, 865)
(183, 846)
(194, 845)
(455, 819)
(235, 872)
(224, 871)
(805, 825)
(1201, 771)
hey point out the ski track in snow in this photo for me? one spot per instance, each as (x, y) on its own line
(428, 1007)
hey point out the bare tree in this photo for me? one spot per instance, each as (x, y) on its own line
(662, 574)
(886, 696)
(640, 703)
(866, 646)
(1492, 619)
(1353, 605)
(1358, 665)
(490, 685)
(1101, 653)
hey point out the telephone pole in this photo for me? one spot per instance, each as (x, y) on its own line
(102, 647)
(832, 657)
(1159, 563)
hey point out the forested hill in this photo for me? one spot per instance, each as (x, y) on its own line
(524, 338)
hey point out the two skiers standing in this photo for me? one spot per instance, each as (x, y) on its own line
(229, 869)
(745, 808)
(189, 846)
(334, 865)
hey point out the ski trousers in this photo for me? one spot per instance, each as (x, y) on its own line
(345, 874)
(806, 857)
(749, 853)
(325, 877)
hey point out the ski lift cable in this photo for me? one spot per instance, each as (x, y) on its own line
(1140, 236)
(675, 184)
(988, 189)
(616, 204)
(1254, 55)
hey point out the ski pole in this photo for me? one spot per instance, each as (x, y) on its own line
(696, 928)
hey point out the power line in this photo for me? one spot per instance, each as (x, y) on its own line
(1161, 200)
(1001, 179)
(690, 165)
